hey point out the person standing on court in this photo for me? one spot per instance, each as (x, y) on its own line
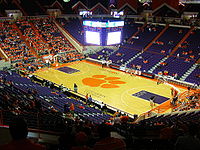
(89, 100)
(75, 88)
(86, 98)
(152, 101)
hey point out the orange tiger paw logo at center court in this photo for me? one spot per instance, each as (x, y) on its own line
(102, 81)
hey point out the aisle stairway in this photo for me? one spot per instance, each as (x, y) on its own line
(138, 54)
(188, 72)
(158, 64)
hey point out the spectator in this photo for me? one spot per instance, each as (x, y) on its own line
(189, 141)
(80, 139)
(86, 98)
(75, 88)
(104, 108)
(72, 108)
(124, 118)
(89, 101)
(18, 130)
(66, 108)
(106, 142)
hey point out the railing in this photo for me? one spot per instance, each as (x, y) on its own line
(33, 126)
(178, 82)
(72, 40)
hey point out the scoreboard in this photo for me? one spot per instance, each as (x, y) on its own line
(103, 24)
(102, 32)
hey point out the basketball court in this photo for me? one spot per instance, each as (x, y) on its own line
(114, 88)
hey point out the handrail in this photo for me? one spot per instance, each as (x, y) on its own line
(29, 129)
(137, 32)
(69, 37)
(4, 54)
(182, 40)
(157, 37)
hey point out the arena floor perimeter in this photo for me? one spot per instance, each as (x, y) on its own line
(115, 88)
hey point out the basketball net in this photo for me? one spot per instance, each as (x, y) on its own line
(55, 61)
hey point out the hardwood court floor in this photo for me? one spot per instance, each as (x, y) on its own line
(106, 85)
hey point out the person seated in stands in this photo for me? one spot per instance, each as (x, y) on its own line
(52, 109)
(189, 141)
(81, 140)
(187, 60)
(190, 52)
(124, 118)
(160, 73)
(16, 108)
(109, 122)
(80, 106)
(138, 67)
(167, 133)
(72, 108)
(184, 53)
(117, 114)
(133, 66)
(192, 56)
(119, 54)
(19, 131)
(198, 75)
(69, 117)
(161, 43)
(163, 51)
(9, 83)
(117, 120)
(163, 63)
(165, 73)
(106, 142)
(145, 61)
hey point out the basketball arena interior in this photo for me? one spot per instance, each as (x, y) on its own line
(100, 74)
